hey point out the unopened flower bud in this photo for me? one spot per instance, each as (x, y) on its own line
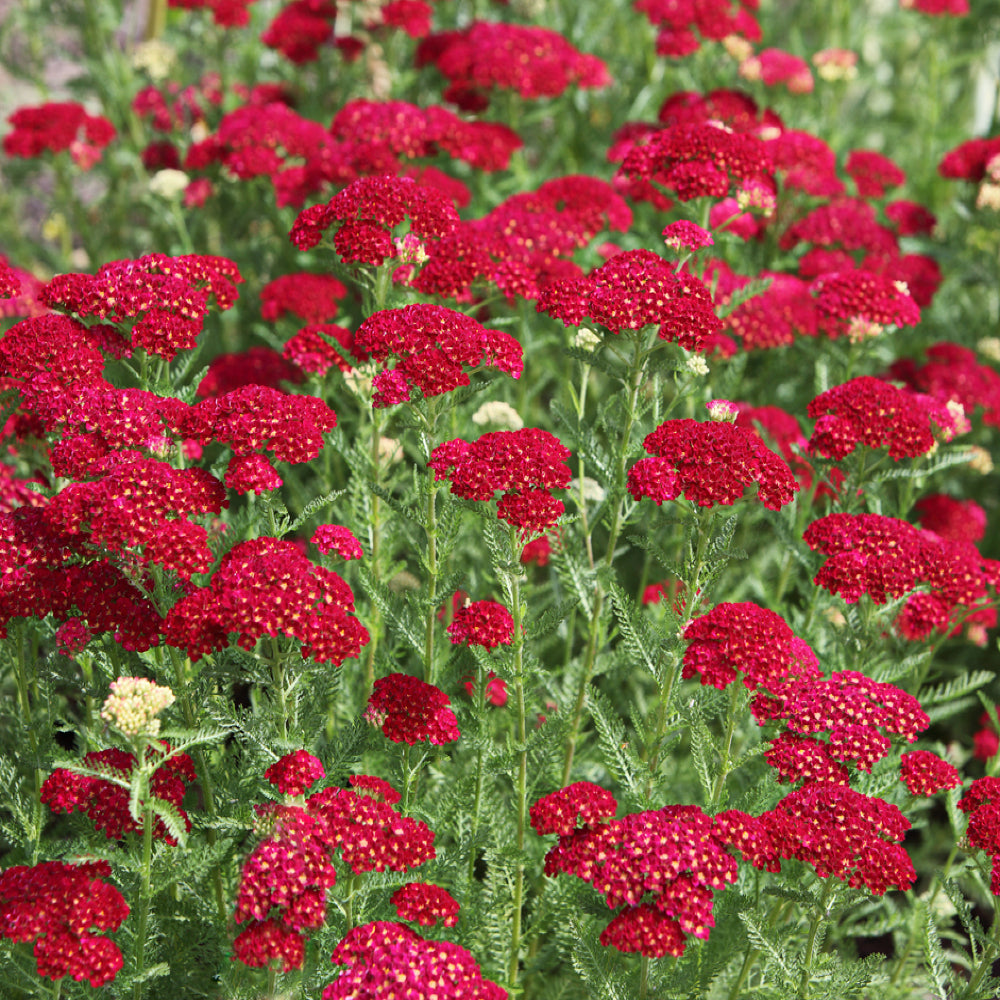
(722, 410)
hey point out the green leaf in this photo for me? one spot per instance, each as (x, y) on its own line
(312, 507)
(749, 291)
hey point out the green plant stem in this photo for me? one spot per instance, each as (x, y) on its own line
(635, 378)
(522, 765)
(278, 677)
(21, 674)
(374, 549)
(666, 695)
(145, 896)
(476, 808)
(987, 959)
(748, 960)
(644, 977)
(823, 913)
(432, 574)
(727, 744)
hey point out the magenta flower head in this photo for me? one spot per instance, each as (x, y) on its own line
(482, 623)
(366, 213)
(408, 710)
(294, 773)
(687, 235)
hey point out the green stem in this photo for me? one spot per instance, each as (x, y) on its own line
(432, 572)
(635, 378)
(644, 977)
(476, 807)
(666, 695)
(278, 677)
(145, 896)
(822, 914)
(21, 673)
(987, 958)
(727, 744)
(736, 992)
(522, 763)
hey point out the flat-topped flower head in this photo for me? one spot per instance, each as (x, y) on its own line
(365, 213)
(134, 704)
(335, 537)
(408, 710)
(635, 289)
(295, 773)
(62, 908)
(426, 904)
(582, 802)
(482, 623)
(710, 463)
(924, 773)
(687, 235)
(434, 348)
(56, 127)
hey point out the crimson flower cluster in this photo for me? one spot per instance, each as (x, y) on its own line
(57, 127)
(366, 212)
(106, 804)
(266, 586)
(284, 880)
(696, 160)
(950, 518)
(381, 956)
(335, 537)
(165, 298)
(746, 639)
(482, 623)
(408, 710)
(872, 172)
(258, 365)
(525, 464)
(680, 24)
(311, 349)
(312, 297)
(62, 908)
(861, 846)
(295, 773)
(415, 132)
(425, 904)
(710, 463)
(661, 866)
(924, 773)
(861, 296)
(982, 803)
(535, 62)
(853, 711)
(886, 557)
(434, 345)
(873, 413)
(635, 289)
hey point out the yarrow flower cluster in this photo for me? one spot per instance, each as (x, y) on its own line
(924, 773)
(63, 908)
(335, 537)
(870, 412)
(295, 773)
(482, 623)
(734, 639)
(425, 904)
(661, 866)
(133, 706)
(635, 289)
(105, 800)
(982, 803)
(266, 586)
(525, 464)
(710, 463)
(408, 710)
(57, 127)
(433, 346)
(380, 956)
(367, 211)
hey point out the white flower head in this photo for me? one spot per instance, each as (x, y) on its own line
(586, 339)
(133, 705)
(169, 183)
(497, 413)
(696, 364)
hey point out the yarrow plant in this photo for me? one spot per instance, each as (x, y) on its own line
(487, 511)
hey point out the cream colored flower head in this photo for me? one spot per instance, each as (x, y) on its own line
(133, 705)
(497, 413)
(169, 183)
(586, 339)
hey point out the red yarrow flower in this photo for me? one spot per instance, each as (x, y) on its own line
(982, 803)
(368, 210)
(710, 463)
(560, 811)
(482, 623)
(408, 710)
(62, 907)
(294, 773)
(924, 773)
(426, 904)
(57, 127)
(335, 537)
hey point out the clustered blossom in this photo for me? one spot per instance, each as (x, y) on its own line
(408, 710)
(284, 880)
(661, 866)
(746, 639)
(982, 803)
(425, 904)
(164, 298)
(679, 25)
(950, 518)
(482, 623)
(872, 172)
(688, 235)
(266, 586)
(106, 803)
(311, 349)
(873, 413)
(365, 213)
(535, 62)
(850, 300)
(335, 537)
(525, 464)
(133, 705)
(924, 773)
(62, 908)
(710, 463)
(381, 956)
(57, 127)
(635, 289)
(295, 773)
(774, 66)
(312, 297)
(433, 346)
(886, 557)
